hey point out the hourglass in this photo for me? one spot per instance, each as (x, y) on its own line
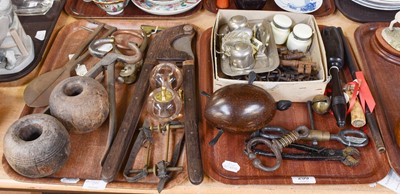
(166, 74)
(164, 103)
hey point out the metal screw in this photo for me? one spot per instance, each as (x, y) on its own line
(161, 128)
(188, 29)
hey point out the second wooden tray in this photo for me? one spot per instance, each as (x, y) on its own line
(373, 166)
(383, 70)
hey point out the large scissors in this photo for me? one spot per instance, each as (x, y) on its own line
(348, 137)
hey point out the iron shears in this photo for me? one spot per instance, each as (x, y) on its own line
(348, 137)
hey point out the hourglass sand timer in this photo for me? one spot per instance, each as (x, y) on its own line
(164, 103)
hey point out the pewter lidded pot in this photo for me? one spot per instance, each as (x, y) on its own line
(237, 22)
(242, 56)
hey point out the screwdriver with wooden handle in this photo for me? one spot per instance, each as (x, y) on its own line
(334, 55)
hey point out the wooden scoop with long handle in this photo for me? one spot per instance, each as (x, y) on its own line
(37, 92)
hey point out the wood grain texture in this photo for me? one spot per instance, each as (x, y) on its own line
(81, 9)
(372, 167)
(381, 69)
(87, 149)
(328, 7)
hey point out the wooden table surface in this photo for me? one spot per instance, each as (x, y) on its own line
(12, 104)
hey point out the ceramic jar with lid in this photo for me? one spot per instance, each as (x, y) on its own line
(281, 28)
(300, 38)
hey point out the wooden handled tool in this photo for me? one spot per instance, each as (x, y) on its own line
(160, 49)
(37, 92)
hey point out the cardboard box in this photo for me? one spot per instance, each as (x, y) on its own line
(296, 91)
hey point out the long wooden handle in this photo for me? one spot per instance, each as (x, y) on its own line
(123, 138)
(194, 162)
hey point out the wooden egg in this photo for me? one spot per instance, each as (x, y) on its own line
(240, 108)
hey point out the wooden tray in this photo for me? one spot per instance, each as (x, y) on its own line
(383, 71)
(327, 8)
(372, 167)
(362, 14)
(81, 9)
(31, 25)
(87, 149)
